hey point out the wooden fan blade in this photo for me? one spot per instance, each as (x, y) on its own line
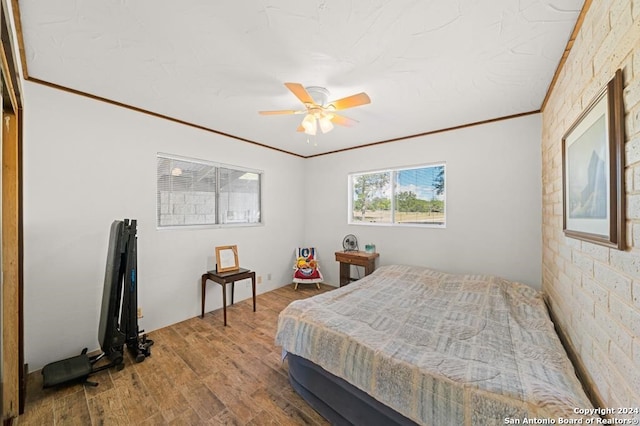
(342, 120)
(283, 111)
(300, 128)
(300, 92)
(350, 101)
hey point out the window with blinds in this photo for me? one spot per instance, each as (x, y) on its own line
(401, 196)
(194, 192)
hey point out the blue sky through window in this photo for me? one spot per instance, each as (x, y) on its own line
(421, 181)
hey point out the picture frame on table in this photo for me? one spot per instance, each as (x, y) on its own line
(227, 259)
(593, 170)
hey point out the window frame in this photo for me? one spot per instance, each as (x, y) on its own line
(217, 194)
(393, 193)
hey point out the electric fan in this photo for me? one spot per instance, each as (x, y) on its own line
(350, 243)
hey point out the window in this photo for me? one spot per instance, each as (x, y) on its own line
(198, 192)
(402, 196)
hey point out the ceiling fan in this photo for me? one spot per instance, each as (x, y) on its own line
(319, 112)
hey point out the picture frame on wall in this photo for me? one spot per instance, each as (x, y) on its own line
(227, 259)
(593, 170)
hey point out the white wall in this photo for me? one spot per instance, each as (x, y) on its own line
(88, 163)
(493, 192)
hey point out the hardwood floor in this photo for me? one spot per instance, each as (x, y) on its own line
(200, 372)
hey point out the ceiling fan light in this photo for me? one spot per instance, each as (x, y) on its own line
(309, 124)
(325, 124)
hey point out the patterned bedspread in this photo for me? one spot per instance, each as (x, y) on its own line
(439, 348)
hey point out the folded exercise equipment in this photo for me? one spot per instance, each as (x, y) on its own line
(118, 317)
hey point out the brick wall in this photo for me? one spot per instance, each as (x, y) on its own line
(594, 291)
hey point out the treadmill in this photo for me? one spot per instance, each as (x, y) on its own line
(118, 316)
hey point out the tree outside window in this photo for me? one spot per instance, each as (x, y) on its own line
(409, 196)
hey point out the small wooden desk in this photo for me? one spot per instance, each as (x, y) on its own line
(224, 278)
(358, 258)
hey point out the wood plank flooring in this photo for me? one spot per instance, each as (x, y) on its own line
(199, 373)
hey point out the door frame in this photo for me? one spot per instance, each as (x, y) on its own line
(13, 370)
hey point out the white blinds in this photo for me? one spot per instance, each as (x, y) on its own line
(193, 192)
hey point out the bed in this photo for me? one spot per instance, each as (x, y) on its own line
(409, 345)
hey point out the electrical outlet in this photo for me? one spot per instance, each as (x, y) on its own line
(140, 313)
(259, 279)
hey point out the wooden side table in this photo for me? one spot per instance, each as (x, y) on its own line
(224, 278)
(358, 258)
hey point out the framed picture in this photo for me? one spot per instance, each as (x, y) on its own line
(593, 170)
(227, 259)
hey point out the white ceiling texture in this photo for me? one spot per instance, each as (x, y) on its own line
(427, 65)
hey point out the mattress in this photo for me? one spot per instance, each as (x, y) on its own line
(341, 403)
(439, 348)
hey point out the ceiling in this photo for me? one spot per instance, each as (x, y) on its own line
(426, 65)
